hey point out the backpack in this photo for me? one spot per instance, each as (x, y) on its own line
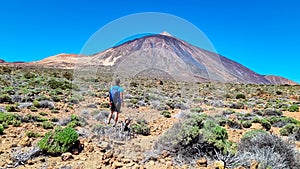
(114, 95)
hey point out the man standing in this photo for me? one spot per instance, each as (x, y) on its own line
(116, 99)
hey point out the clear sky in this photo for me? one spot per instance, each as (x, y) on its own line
(263, 35)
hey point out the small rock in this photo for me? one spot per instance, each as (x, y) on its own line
(202, 162)
(185, 166)
(90, 148)
(66, 156)
(117, 164)
(219, 165)
(254, 164)
(169, 163)
(130, 164)
(25, 141)
(104, 145)
(125, 160)
(151, 162)
(165, 154)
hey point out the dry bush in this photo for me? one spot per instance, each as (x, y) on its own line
(269, 151)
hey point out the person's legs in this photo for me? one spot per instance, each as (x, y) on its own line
(116, 118)
(118, 110)
(110, 116)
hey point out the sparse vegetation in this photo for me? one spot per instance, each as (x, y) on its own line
(41, 99)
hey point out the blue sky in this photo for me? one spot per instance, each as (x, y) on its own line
(263, 35)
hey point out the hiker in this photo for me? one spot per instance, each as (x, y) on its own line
(116, 99)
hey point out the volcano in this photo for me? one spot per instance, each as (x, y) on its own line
(168, 54)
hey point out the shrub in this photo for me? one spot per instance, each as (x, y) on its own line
(5, 125)
(268, 150)
(1, 129)
(47, 125)
(166, 113)
(58, 141)
(288, 129)
(236, 105)
(29, 75)
(197, 109)
(8, 117)
(251, 134)
(32, 134)
(194, 137)
(54, 119)
(104, 105)
(11, 108)
(266, 124)
(293, 108)
(270, 112)
(141, 127)
(16, 123)
(240, 96)
(5, 98)
(234, 124)
(57, 83)
(247, 123)
(43, 114)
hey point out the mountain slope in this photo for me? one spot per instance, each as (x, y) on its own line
(176, 58)
(280, 80)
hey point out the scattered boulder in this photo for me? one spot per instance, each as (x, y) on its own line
(202, 162)
(66, 156)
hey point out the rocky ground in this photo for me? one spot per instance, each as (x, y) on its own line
(143, 100)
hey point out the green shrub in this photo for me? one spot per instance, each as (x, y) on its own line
(166, 113)
(141, 127)
(1, 129)
(11, 108)
(8, 118)
(72, 124)
(5, 98)
(57, 83)
(36, 103)
(33, 109)
(196, 109)
(16, 123)
(240, 96)
(43, 114)
(47, 125)
(288, 129)
(134, 101)
(5, 125)
(29, 75)
(32, 134)
(58, 141)
(247, 123)
(40, 119)
(250, 134)
(266, 124)
(293, 108)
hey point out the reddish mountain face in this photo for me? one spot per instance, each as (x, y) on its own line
(2, 61)
(280, 80)
(166, 54)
